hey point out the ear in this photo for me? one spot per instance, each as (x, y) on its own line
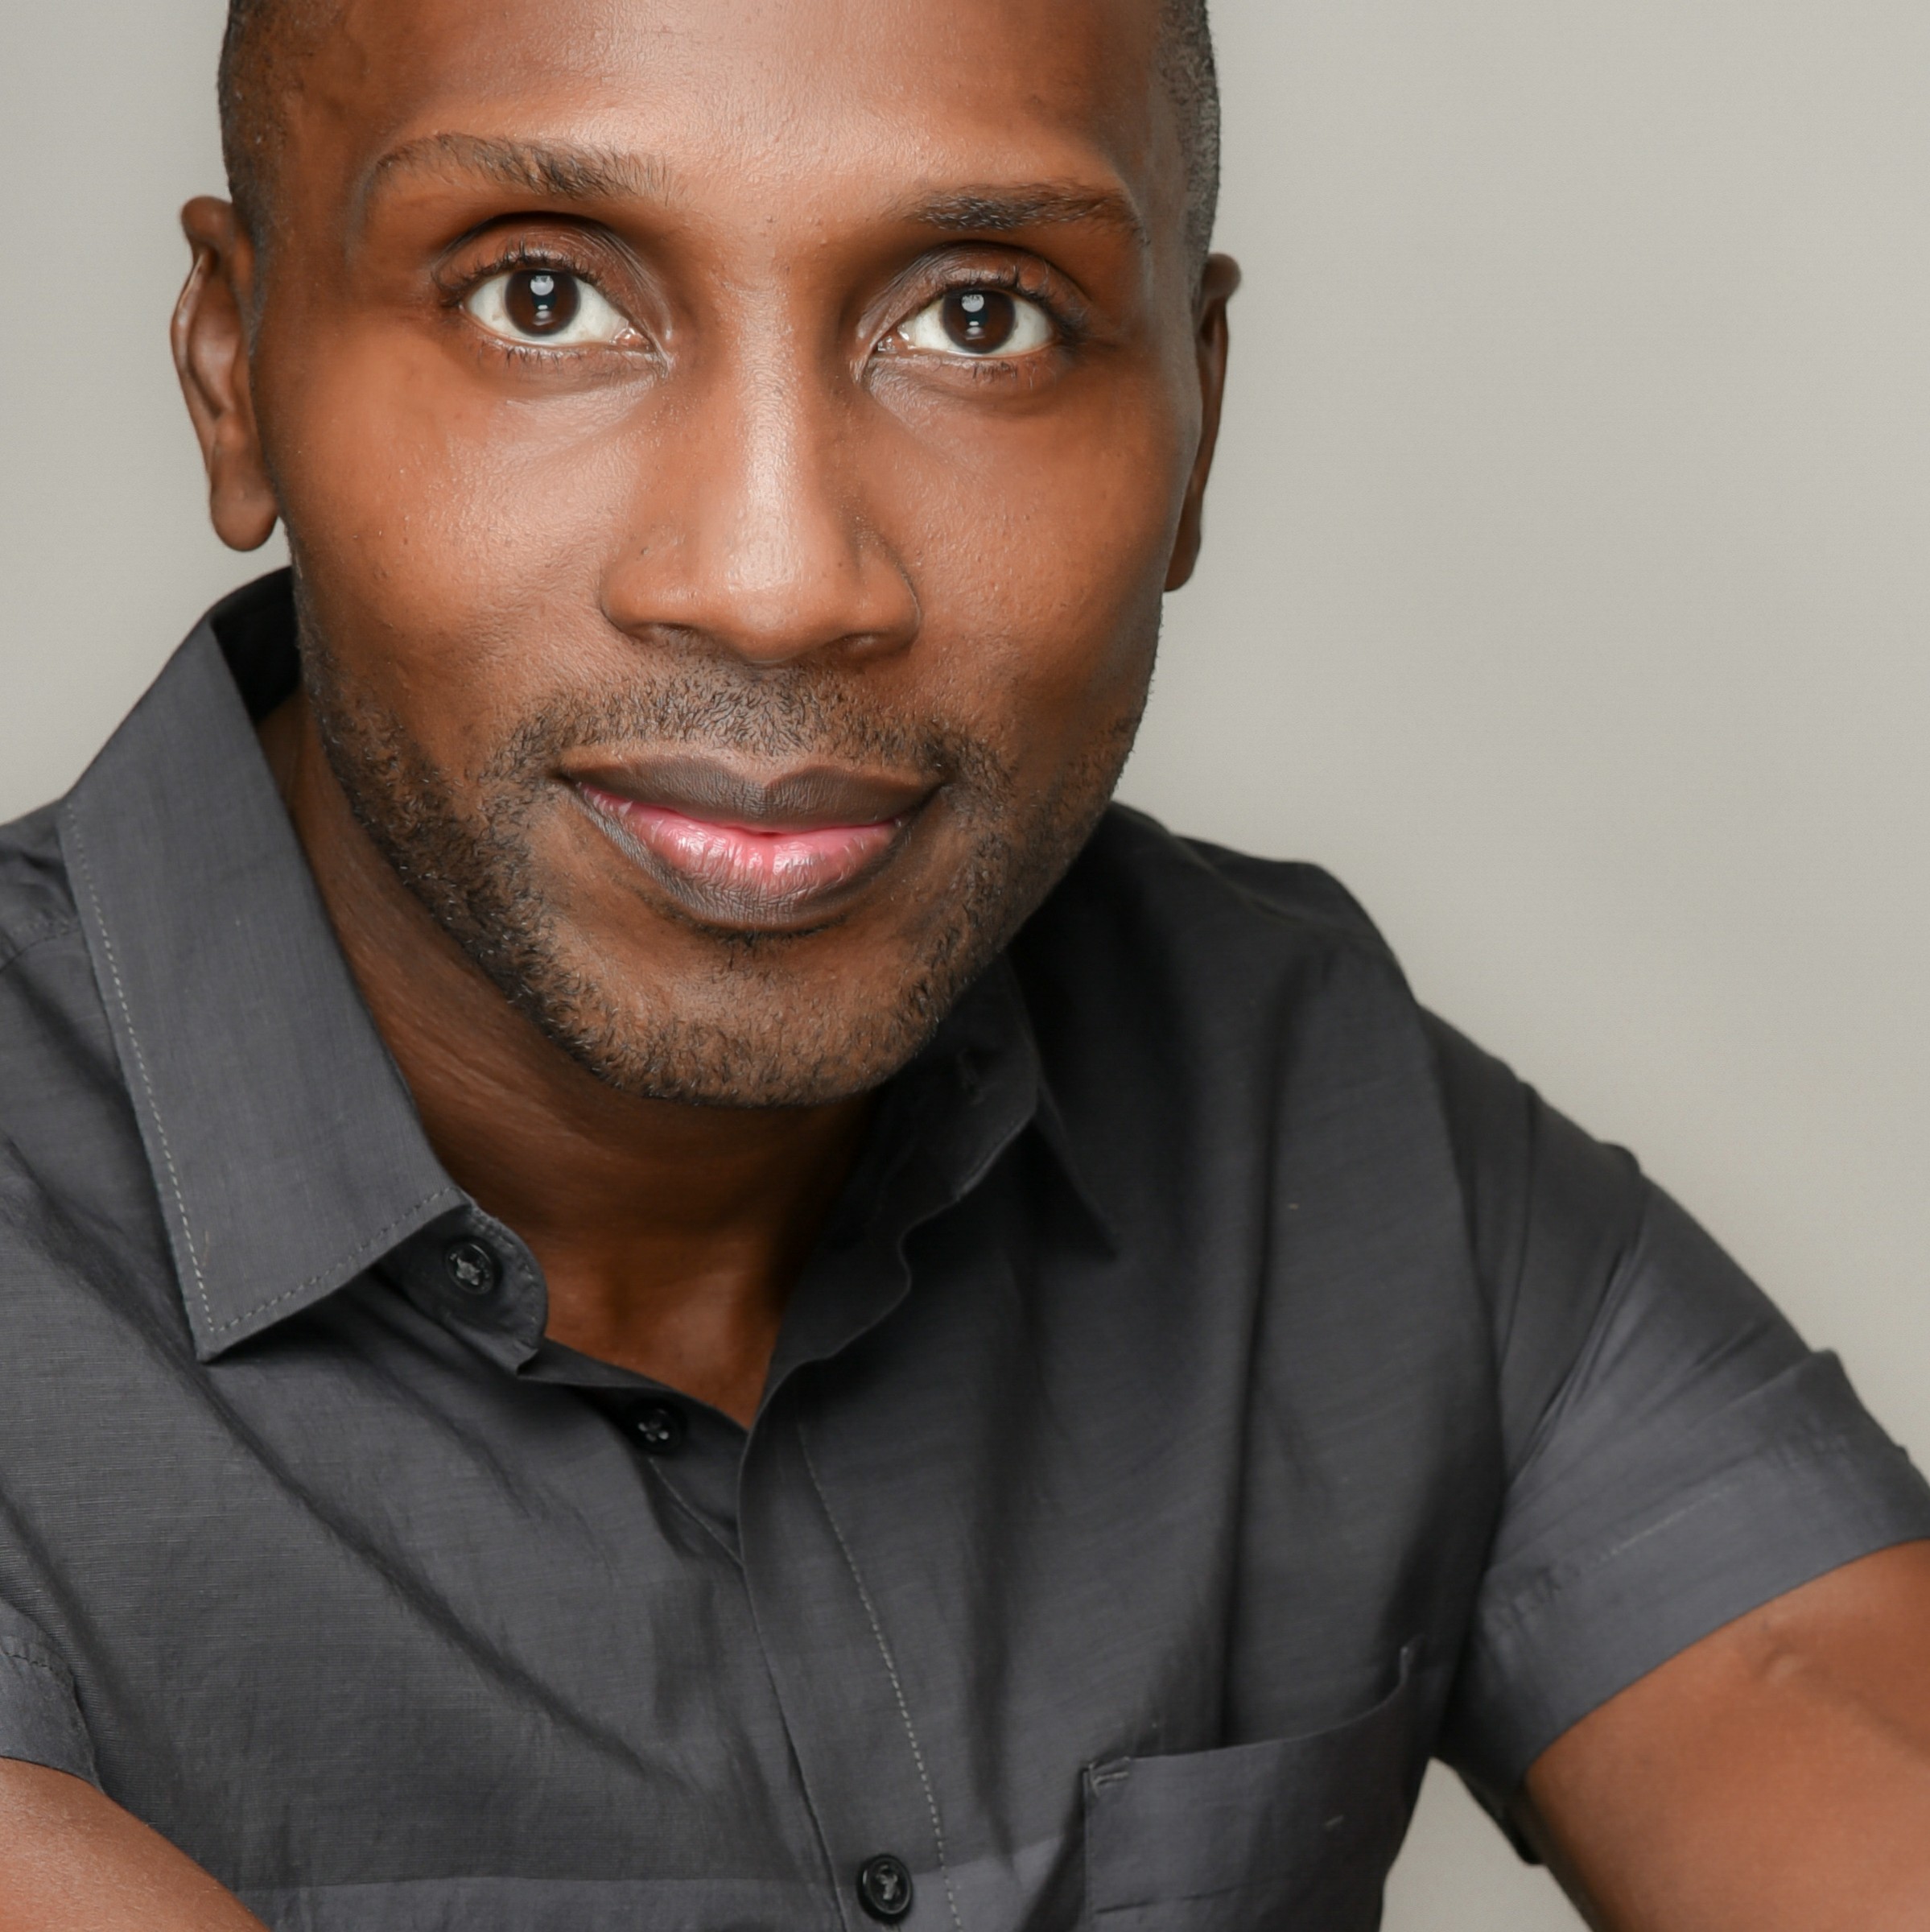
(1217, 285)
(210, 339)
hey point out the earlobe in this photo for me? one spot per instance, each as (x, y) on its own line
(1217, 283)
(210, 340)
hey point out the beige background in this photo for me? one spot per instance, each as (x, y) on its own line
(1567, 590)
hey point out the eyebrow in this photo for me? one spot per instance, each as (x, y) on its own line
(567, 172)
(1035, 204)
(563, 172)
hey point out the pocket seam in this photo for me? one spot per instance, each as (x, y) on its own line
(1107, 1777)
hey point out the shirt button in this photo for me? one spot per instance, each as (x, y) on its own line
(884, 1887)
(473, 1268)
(660, 1427)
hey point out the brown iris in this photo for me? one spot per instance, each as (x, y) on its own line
(980, 319)
(542, 301)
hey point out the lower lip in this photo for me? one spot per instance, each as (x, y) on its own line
(742, 871)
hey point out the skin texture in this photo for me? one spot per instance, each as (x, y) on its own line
(768, 503)
(770, 519)
(778, 525)
(71, 1861)
(1775, 1777)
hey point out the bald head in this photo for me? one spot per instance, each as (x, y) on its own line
(267, 40)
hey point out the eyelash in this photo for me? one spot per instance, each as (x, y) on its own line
(458, 290)
(1015, 278)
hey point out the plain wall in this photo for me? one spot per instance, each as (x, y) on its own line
(1566, 589)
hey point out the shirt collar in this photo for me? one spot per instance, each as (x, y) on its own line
(284, 1144)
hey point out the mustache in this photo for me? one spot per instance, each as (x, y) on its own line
(798, 715)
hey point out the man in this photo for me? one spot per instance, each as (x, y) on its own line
(655, 1275)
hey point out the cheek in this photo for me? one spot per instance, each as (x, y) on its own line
(397, 465)
(446, 537)
(452, 537)
(1040, 566)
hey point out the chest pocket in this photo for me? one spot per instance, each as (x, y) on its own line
(1295, 1834)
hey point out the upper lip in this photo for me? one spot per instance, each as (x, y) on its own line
(805, 799)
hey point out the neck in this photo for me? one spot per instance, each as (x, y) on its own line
(670, 1235)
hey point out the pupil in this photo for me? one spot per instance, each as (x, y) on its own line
(540, 302)
(981, 320)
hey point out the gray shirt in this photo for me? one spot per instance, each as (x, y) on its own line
(1220, 1386)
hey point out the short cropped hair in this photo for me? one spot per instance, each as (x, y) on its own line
(1186, 66)
(266, 39)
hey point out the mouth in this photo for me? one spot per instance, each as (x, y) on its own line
(761, 852)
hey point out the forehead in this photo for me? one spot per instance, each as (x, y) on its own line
(864, 97)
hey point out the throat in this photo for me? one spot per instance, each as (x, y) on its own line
(709, 1335)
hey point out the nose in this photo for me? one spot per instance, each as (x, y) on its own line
(750, 531)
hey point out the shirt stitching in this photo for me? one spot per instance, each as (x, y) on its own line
(174, 1178)
(354, 1254)
(153, 1108)
(891, 1670)
(37, 1663)
(24, 943)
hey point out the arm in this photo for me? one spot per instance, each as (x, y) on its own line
(1774, 1778)
(71, 1860)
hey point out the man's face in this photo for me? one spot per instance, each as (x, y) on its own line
(732, 454)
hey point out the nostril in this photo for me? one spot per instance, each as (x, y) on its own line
(765, 603)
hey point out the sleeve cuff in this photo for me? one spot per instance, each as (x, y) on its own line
(40, 1721)
(1568, 1639)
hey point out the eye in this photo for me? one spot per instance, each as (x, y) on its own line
(987, 322)
(546, 305)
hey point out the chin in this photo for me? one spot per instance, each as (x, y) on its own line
(753, 1032)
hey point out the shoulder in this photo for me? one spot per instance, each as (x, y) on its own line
(1182, 893)
(1186, 933)
(1237, 1003)
(1213, 1020)
(1215, 983)
(36, 903)
(74, 1186)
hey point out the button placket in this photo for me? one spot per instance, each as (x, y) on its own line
(846, 1710)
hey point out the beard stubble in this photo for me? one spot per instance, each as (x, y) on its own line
(756, 1026)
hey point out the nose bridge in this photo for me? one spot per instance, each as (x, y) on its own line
(762, 544)
(791, 508)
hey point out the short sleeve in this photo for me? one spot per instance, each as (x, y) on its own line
(1676, 1455)
(40, 1718)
